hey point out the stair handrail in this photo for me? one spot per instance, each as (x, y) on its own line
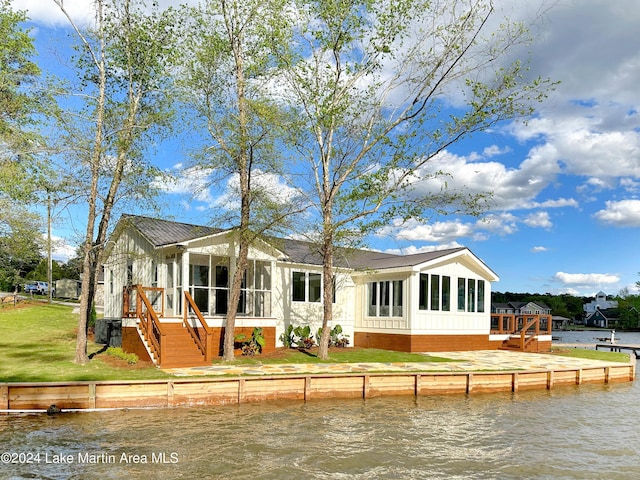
(205, 345)
(524, 340)
(150, 322)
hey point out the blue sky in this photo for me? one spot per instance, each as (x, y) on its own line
(566, 185)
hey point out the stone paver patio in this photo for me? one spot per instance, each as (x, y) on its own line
(481, 360)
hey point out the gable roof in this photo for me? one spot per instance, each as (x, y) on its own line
(161, 233)
(166, 232)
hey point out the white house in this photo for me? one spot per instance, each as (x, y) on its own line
(434, 301)
(599, 303)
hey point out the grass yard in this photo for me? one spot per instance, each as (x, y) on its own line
(37, 344)
(591, 354)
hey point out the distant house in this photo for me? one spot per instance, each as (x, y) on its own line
(521, 308)
(599, 303)
(603, 318)
(165, 279)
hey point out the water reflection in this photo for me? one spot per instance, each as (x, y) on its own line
(569, 432)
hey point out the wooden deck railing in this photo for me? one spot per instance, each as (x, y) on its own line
(149, 318)
(508, 323)
(202, 334)
(130, 302)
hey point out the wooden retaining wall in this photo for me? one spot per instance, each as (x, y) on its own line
(228, 390)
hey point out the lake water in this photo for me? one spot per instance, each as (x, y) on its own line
(585, 432)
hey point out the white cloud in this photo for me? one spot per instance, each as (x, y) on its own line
(539, 249)
(266, 182)
(538, 220)
(630, 185)
(587, 278)
(511, 188)
(412, 249)
(48, 13)
(194, 183)
(438, 232)
(624, 213)
(498, 223)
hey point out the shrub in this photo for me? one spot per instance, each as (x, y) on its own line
(336, 338)
(131, 358)
(253, 345)
(287, 338)
(305, 339)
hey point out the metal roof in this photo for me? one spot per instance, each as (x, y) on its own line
(161, 232)
(166, 232)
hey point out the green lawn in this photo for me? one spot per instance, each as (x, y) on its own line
(592, 354)
(37, 344)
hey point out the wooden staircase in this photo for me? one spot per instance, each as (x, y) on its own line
(179, 349)
(514, 343)
(523, 331)
(169, 344)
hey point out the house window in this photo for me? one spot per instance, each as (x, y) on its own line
(199, 279)
(435, 292)
(385, 299)
(471, 295)
(299, 282)
(446, 293)
(255, 296)
(221, 289)
(315, 287)
(461, 295)
(255, 289)
(372, 310)
(423, 294)
(307, 287)
(480, 295)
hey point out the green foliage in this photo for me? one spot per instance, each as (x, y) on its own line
(287, 337)
(253, 345)
(130, 358)
(336, 337)
(304, 338)
(19, 102)
(563, 305)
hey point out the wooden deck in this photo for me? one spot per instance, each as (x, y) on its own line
(176, 342)
(523, 330)
(614, 347)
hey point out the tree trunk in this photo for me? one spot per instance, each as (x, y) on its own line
(234, 300)
(327, 287)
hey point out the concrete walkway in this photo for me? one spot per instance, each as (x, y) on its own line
(481, 360)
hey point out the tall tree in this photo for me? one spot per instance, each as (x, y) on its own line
(20, 99)
(123, 89)
(227, 83)
(22, 102)
(381, 88)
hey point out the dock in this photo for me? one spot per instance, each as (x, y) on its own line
(614, 347)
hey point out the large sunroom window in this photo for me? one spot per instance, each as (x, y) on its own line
(435, 292)
(471, 294)
(385, 299)
(210, 287)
